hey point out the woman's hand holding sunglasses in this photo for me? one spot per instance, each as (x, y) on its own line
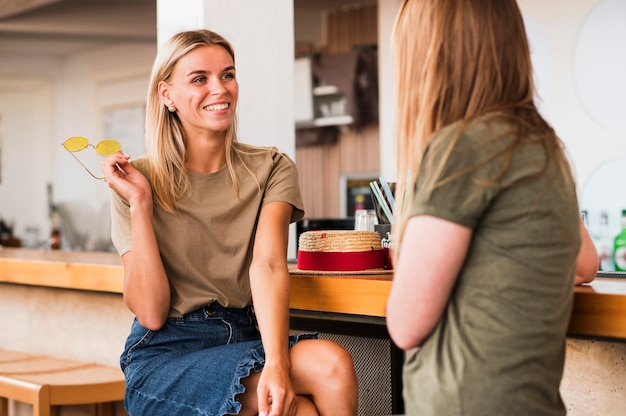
(119, 174)
(124, 179)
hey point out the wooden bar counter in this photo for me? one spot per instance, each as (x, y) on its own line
(68, 304)
(599, 308)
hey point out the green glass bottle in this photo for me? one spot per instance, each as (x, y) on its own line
(619, 246)
(605, 242)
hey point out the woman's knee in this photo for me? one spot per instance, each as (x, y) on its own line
(325, 371)
(325, 361)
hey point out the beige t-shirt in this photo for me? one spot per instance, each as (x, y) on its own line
(207, 248)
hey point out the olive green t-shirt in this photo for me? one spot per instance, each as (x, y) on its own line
(500, 344)
(207, 248)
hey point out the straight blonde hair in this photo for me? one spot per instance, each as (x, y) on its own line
(164, 138)
(456, 60)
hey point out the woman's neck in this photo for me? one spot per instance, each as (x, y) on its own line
(206, 155)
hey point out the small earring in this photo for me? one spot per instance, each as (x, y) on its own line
(170, 106)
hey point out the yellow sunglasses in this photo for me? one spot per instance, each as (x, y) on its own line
(104, 148)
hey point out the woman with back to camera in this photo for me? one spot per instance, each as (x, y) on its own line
(201, 223)
(490, 231)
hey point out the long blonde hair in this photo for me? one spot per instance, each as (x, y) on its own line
(454, 61)
(164, 138)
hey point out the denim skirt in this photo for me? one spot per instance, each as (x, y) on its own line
(194, 364)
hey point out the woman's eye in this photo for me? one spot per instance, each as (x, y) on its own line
(199, 79)
(229, 75)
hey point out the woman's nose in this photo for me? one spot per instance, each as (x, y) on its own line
(216, 86)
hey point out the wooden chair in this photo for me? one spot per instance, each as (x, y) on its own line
(46, 382)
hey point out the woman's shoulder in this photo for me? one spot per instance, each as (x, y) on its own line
(142, 164)
(258, 154)
(480, 130)
(254, 149)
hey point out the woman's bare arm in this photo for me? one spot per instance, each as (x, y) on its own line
(146, 288)
(431, 255)
(270, 283)
(587, 263)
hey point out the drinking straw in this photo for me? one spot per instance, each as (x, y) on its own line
(381, 200)
(385, 185)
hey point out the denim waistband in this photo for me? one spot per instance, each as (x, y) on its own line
(214, 310)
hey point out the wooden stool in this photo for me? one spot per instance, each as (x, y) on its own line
(45, 382)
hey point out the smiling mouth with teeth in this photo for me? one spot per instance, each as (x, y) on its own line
(217, 107)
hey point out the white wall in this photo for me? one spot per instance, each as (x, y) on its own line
(387, 11)
(584, 97)
(25, 153)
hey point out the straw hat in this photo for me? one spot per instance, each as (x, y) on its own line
(339, 241)
(340, 250)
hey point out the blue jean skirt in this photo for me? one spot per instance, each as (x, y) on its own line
(194, 364)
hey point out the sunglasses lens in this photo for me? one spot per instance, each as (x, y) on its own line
(75, 144)
(107, 147)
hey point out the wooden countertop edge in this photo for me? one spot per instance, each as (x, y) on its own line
(599, 308)
(599, 314)
(351, 294)
(62, 274)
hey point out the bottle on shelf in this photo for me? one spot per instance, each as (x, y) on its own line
(619, 246)
(584, 216)
(55, 232)
(605, 243)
